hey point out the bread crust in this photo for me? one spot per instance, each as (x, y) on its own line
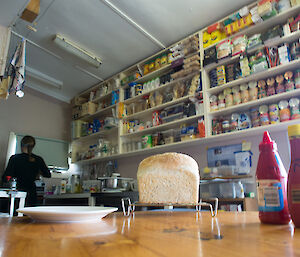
(168, 178)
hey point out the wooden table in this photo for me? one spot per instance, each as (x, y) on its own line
(154, 233)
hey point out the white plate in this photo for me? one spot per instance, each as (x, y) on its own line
(66, 213)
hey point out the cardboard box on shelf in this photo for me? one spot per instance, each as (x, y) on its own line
(88, 108)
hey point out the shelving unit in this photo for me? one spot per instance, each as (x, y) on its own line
(162, 87)
(271, 72)
(248, 105)
(103, 132)
(277, 19)
(158, 107)
(208, 115)
(163, 126)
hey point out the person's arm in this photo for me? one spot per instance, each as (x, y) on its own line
(44, 169)
(10, 169)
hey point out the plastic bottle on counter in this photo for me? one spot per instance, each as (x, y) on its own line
(294, 175)
(271, 178)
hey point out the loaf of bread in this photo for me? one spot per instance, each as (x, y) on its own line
(168, 178)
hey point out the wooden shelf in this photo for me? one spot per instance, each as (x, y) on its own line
(266, 100)
(257, 76)
(265, 25)
(163, 126)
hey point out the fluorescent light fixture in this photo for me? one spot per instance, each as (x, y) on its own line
(77, 50)
(44, 78)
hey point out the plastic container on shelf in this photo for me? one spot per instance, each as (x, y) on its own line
(204, 190)
(226, 170)
(239, 189)
(168, 136)
(227, 190)
(214, 190)
(173, 117)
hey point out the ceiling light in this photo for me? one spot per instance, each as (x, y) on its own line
(43, 77)
(77, 51)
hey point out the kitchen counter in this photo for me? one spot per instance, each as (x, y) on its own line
(153, 233)
(57, 199)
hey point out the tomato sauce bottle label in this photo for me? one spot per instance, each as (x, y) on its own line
(270, 196)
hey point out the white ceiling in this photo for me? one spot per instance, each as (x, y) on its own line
(95, 26)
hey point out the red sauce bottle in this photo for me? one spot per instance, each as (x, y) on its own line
(294, 174)
(271, 178)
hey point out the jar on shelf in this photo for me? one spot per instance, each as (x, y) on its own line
(274, 113)
(289, 82)
(262, 92)
(264, 115)
(236, 95)
(146, 69)
(226, 126)
(244, 93)
(157, 63)
(213, 103)
(253, 90)
(297, 79)
(234, 121)
(221, 101)
(155, 139)
(254, 115)
(228, 97)
(294, 107)
(271, 86)
(163, 60)
(280, 88)
(284, 112)
(151, 66)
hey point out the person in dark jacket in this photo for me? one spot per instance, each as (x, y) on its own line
(26, 167)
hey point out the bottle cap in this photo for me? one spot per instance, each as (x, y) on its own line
(294, 130)
(267, 143)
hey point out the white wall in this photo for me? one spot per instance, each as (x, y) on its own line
(35, 114)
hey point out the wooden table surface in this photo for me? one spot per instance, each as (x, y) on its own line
(150, 234)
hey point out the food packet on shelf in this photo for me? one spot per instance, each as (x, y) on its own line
(178, 90)
(152, 99)
(244, 66)
(239, 44)
(224, 49)
(158, 98)
(266, 9)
